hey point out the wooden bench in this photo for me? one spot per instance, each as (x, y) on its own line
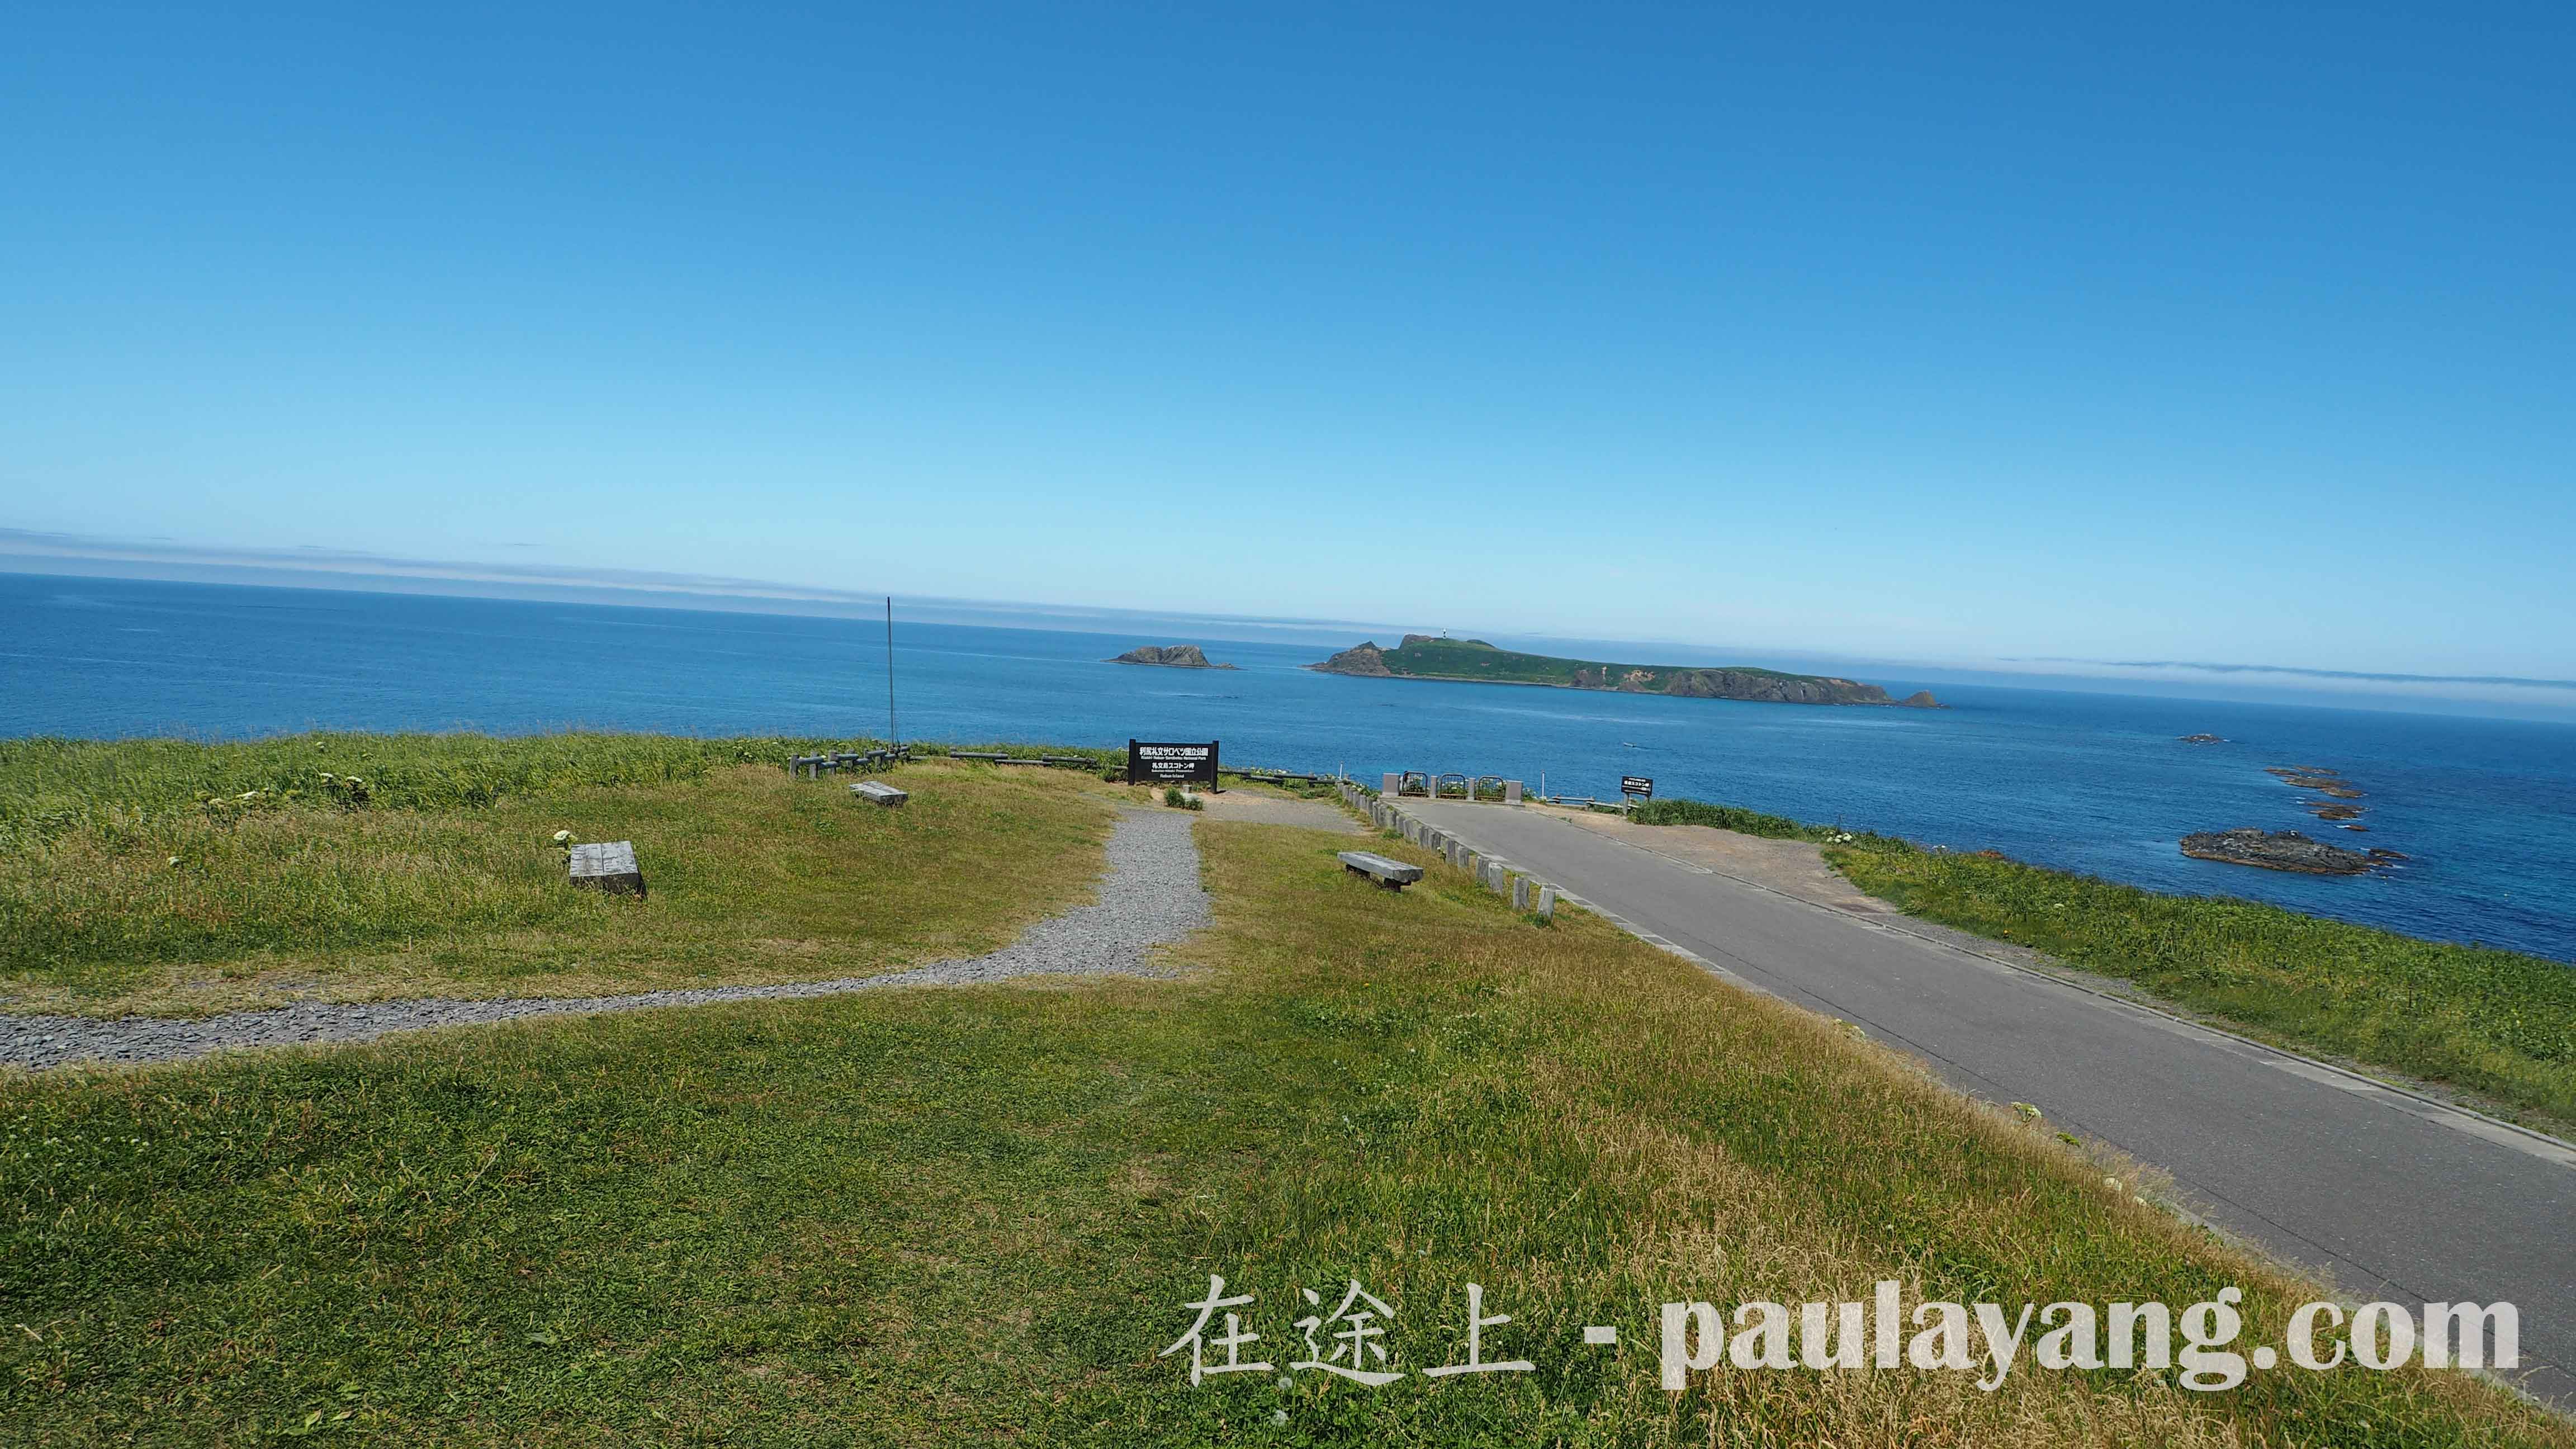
(1395, 875)
(878, 792)
(608, 866)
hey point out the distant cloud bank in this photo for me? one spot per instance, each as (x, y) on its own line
(344, 569)
(2190, 666)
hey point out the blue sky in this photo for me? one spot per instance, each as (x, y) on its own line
(2225, 334)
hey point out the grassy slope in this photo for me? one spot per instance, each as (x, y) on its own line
(444, 880)
(1475, 659)
(968, 1216)
(2491, 1021)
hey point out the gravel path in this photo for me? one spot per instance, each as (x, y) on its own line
(1151, 896)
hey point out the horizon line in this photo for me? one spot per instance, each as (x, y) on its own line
(352, 570)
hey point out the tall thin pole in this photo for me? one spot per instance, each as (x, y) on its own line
(894, 736)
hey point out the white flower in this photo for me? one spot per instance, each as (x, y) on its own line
(563, 837)
(174, 860)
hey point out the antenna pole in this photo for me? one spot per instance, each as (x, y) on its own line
(894, 736)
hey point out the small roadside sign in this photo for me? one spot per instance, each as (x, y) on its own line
(1641, 786)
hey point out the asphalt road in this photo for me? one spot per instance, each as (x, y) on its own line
(2389, 1196)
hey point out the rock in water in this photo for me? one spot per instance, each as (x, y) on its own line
(1170, 656)
(1760, 687)
(2275, 850)
(1360, 659)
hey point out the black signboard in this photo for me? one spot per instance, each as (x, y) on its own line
(1171, 764)
(1640, 786)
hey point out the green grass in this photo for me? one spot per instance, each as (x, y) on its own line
(50, 787)
(124, 890)
(972, 1216)
(1724, 817)
(2494, 1022)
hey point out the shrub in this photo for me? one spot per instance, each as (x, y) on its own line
(1724, 817)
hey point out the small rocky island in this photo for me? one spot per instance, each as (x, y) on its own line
(2281, 850)
(2288, 849)
(1424, 656)
(2202, 739)
(1169, 656)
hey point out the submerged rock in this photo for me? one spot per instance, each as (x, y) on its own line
(2323, 782)
(2202, 739)
(2278, 850)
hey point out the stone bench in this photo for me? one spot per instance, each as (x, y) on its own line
(878, 792)
(608, 866)
(1395, 875)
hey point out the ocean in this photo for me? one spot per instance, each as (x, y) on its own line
(2085, 781)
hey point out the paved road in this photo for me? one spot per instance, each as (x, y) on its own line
(2391, 1197)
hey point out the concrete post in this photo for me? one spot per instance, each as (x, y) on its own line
(1520, 893)
(1511, 792)
(1547, 903)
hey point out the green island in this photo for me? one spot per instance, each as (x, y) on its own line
(973, 1214)
(1424, 656)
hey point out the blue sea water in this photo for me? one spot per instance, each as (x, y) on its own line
(2486, 809)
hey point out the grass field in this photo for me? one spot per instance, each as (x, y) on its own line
(2496, 1023)
(174, 878)
(970, 1216)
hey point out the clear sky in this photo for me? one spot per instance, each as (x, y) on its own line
(2226, 333)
